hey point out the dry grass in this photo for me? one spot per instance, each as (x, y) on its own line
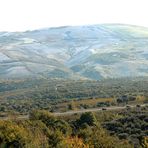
(90, 102)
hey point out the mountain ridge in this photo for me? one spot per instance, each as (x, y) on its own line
(77, 52)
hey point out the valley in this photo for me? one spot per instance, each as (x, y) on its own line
(22, 96)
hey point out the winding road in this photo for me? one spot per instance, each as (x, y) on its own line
(78, 111)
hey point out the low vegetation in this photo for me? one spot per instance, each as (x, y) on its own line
(45, 130)
(133, 125)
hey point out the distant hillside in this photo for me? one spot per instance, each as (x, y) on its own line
(79, 52)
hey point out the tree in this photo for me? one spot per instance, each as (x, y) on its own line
(87, 118)
(12, 135)
(46, 117)
(72, 106)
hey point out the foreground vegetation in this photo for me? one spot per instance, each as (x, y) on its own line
(87, 130)
(45, 130)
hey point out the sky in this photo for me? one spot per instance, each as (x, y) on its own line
(22, 15)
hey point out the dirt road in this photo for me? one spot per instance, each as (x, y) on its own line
(78, 111)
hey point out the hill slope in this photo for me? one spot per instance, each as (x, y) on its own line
(78, 52)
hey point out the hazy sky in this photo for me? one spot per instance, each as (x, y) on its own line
(20, 15)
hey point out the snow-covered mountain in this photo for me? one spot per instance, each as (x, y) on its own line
(78, 52)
